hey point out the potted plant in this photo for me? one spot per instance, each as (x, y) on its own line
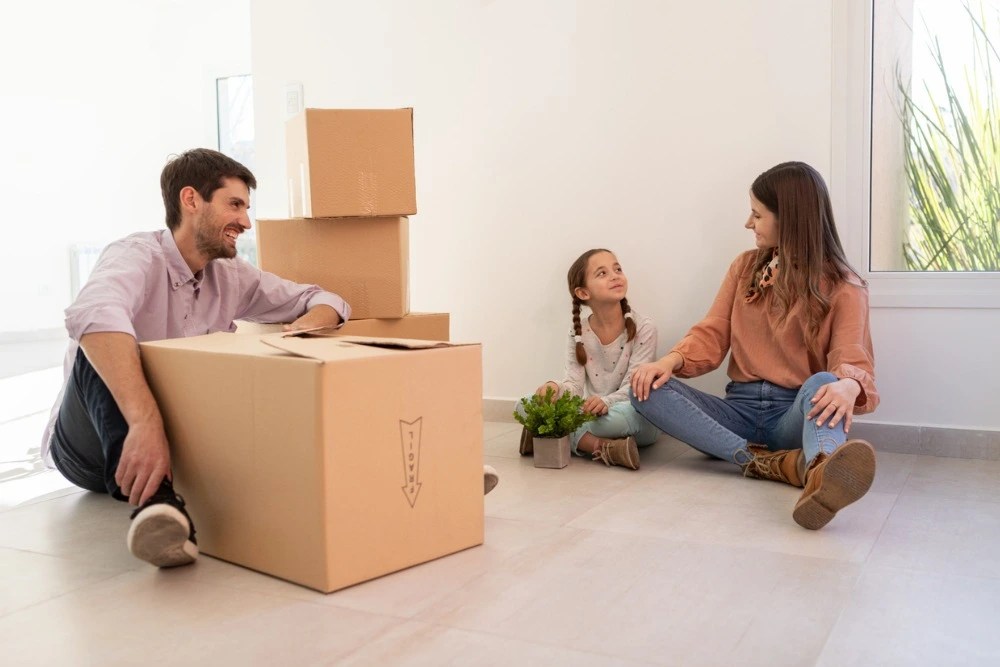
(550, 421)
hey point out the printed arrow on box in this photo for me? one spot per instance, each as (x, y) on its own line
(409, 437)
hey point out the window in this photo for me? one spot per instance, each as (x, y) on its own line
(867, 181)
(935, 136)
(234, 97)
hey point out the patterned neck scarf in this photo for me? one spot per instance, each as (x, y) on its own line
(765, 278)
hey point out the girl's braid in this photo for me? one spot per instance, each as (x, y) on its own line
(629, 322)
(581, 352)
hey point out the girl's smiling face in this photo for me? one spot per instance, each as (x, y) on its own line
(604, 279)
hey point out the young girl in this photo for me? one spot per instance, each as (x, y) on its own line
(603, 350)
(794, 315)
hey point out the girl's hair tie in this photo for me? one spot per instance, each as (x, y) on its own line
(628, 315)
(578, 338)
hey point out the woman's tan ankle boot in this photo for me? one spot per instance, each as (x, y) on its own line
(833, 482)
(785, 465)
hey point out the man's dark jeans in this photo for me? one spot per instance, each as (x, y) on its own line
(89, 432)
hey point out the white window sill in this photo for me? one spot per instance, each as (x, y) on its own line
(934, 290)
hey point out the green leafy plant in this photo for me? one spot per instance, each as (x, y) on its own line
(548, 418)
(952, 162)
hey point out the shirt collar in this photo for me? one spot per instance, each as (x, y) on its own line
(177, 269)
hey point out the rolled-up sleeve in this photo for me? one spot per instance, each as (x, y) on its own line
(851, 354)
(113, 293)
(269, 298)
(705, 346)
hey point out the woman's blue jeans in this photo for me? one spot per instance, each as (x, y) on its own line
(756, 412)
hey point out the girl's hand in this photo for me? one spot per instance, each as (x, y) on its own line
(652, 376)
(835, 401)
(595, 406)
(545, 387)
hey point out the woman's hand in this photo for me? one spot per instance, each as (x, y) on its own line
(835, 401)
(653, 375)
(595, 406)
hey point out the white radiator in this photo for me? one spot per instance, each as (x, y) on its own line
(82, 259)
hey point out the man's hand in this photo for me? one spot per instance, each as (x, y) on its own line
(145, 458)
(317, 317)
(144, 463)
(596, 406)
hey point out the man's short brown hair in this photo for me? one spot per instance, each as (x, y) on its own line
(203, 169)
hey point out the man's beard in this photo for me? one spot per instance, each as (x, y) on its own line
(210, 240)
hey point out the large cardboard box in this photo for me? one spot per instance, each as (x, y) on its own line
(420, 326)
(350, 163)
(364, 260)
(323, 461)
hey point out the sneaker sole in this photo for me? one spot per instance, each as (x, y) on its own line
(490, 479)
(159, 535)
(847, 476)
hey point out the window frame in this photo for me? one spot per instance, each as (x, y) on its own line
(851, 168)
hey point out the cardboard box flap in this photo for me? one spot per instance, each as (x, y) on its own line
(220, 342)
(326, 346)
(391, 343)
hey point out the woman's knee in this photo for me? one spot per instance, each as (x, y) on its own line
(814, 382)
(658, 393)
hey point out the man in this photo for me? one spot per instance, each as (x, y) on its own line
(106, 433)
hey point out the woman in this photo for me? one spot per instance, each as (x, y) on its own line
(794, 315)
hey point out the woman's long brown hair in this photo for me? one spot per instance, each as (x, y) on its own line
(808, 243)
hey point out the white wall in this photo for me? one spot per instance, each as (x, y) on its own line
(94, 98)
(545, 128)
(938, 366)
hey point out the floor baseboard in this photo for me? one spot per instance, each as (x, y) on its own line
(956, 443)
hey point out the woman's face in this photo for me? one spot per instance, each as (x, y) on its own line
(764, 225)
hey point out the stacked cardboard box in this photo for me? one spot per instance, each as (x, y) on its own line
(351, 191)
(325, 458)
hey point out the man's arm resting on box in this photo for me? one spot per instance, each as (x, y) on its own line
(270, 298)
(320, 315)
(145, 458)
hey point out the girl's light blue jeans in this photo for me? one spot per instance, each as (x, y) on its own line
(621, 421)
(757, 412)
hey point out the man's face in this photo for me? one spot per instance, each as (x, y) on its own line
(220, 221)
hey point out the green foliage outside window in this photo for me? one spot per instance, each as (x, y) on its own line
(952, 160)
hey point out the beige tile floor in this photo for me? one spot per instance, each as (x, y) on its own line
(681, 563)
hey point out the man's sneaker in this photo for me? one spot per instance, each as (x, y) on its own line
(622, 452)
(833, 482)
(162, 533)
(490, 479)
